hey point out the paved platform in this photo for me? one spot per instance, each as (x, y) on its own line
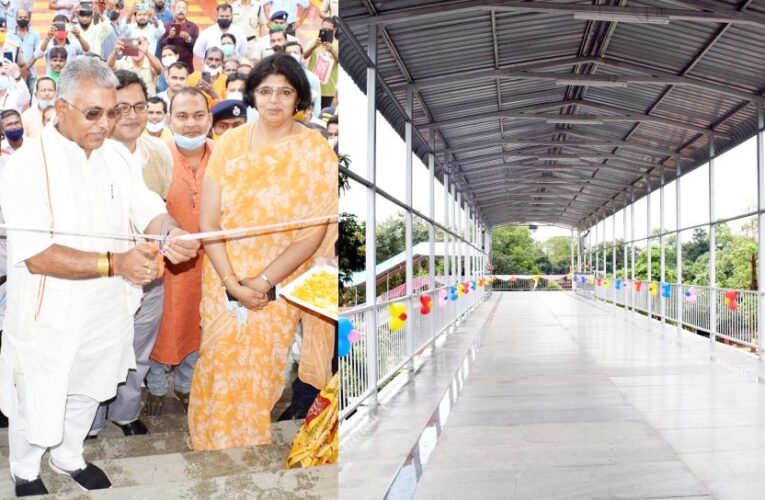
(568, 398)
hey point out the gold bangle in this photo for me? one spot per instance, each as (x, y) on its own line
(103, 264)
(226, 278)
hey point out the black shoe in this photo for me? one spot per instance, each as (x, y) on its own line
(28, 488)
(134, 428)
(293, 412)
(89, 478)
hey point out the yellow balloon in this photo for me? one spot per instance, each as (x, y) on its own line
(606, 282)
(396, 309)
(396, 323)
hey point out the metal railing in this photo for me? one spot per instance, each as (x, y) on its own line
(697, 308)
(524, 284)
(392, 351)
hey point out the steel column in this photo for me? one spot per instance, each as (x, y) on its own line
(712, 246)
(408, 226)
(371, 264)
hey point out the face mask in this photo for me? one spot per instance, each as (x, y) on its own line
(168, 60)
(224, 23)
(4, 83)
(235, 95)
(155, 128)
(189, 143)
(227, 50)
(44, 104)
(332, 141)
(14, 135)
(114, 15)
(22, 23)
(212, 71)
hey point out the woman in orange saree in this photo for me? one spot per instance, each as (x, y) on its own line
(271, 171)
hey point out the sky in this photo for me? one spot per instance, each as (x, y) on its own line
(735, 178)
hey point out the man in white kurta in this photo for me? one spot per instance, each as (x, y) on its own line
(68, 330)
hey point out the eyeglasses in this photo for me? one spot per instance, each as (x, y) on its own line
(282, 93)
(94, 114)
(139, 108)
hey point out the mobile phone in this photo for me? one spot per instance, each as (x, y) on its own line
(86, 6)
(207, 77)
(178, 29)
(60, 26)
(326, 35)
(8, 54)
(132, 46)
(230, 297)
(143, 7)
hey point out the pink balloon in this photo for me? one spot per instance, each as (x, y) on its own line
(354, 336)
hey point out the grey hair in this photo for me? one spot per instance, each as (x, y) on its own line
(84, 68)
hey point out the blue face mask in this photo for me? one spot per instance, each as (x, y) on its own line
(14, 134)
(227, 50)
(189, 143)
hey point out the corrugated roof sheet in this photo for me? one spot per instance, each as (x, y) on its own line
(459, 45)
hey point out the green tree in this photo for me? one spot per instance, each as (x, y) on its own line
(558, 252)
(390, 237)
(351, 243)
(516, 252)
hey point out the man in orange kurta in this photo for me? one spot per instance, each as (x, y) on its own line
(179, 333)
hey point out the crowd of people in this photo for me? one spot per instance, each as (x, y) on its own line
(133, 122)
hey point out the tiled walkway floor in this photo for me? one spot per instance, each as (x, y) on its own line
(572, 399)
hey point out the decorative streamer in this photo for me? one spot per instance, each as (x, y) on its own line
(666, 290)
(690, 294)
(653, 289)
(638, 285)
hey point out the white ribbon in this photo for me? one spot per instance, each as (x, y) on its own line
(241, 231)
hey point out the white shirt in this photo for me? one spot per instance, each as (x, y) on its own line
(210, 37)
(150, 32)
(16, 97)
(263, 47)
(68, 336)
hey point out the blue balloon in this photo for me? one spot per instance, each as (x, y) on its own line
(344, 328)
(343, 346)
(666, 290)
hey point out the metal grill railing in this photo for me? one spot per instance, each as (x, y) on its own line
(394, 350)
(691, 306)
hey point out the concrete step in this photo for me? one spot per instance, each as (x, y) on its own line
(318, 483)
(156, 443)
(164, 457)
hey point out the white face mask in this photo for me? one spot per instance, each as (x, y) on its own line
(332, 141)
(235, 95)
(212, 71)
(155, 128)
(168, 60)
